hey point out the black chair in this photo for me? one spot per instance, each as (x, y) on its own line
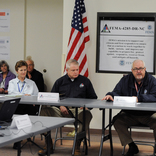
(146, 143)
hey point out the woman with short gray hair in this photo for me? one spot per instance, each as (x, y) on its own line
(5, 76)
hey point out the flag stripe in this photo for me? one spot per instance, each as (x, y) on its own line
(84, 19)
(77, 56)
(77, 47)
(82, 63)
(85, 29)
(81, 59)
(72, 38)
(85, 70)
(87, 39)
(71, 34)
(73, 45)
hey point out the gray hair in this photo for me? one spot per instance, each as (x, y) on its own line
(137, 61)
(70, 61)
(29, 59)
(4, 62)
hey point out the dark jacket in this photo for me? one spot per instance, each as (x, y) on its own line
(126, 87)
(37, 77)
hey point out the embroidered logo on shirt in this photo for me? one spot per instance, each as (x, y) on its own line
(81, 85)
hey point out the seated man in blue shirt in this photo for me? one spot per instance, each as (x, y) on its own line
(72, 85)
(143, 86)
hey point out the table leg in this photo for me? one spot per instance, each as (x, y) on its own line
(74, 143)
(19, 148)
(103, 132)
(109, 136)
(110, 131)
(48, 142)
(75, 124)
(84, 130)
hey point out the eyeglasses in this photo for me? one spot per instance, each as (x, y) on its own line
(140, 69)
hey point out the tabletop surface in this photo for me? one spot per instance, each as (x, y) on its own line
(148, 106)
(40, 125)
(33, 100)
(90, 103)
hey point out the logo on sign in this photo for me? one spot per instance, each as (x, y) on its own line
(105, 29)
(122, 62)
(149, 31)
(149, 27)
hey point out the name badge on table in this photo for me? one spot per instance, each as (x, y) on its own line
(21, 122)
(42, 96)
(120, 100)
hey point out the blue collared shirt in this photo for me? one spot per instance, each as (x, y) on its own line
(20, 88)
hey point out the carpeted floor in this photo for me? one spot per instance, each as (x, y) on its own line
(66, 148)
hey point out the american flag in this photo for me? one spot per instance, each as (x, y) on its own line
(78, 37)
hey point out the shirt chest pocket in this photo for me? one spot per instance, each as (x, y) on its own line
(81, 91)
(64, 89)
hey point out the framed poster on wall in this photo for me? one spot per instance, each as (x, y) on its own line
(123, 38)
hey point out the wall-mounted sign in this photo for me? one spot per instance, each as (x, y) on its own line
(4, 48)
(123, 38)
(4, 20)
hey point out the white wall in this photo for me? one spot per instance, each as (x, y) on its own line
(16, 33)
(103, 82)
(44, 20)
(36, 30)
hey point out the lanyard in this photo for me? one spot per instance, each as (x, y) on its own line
(21, 88)
(4, 82)
(138, 90)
